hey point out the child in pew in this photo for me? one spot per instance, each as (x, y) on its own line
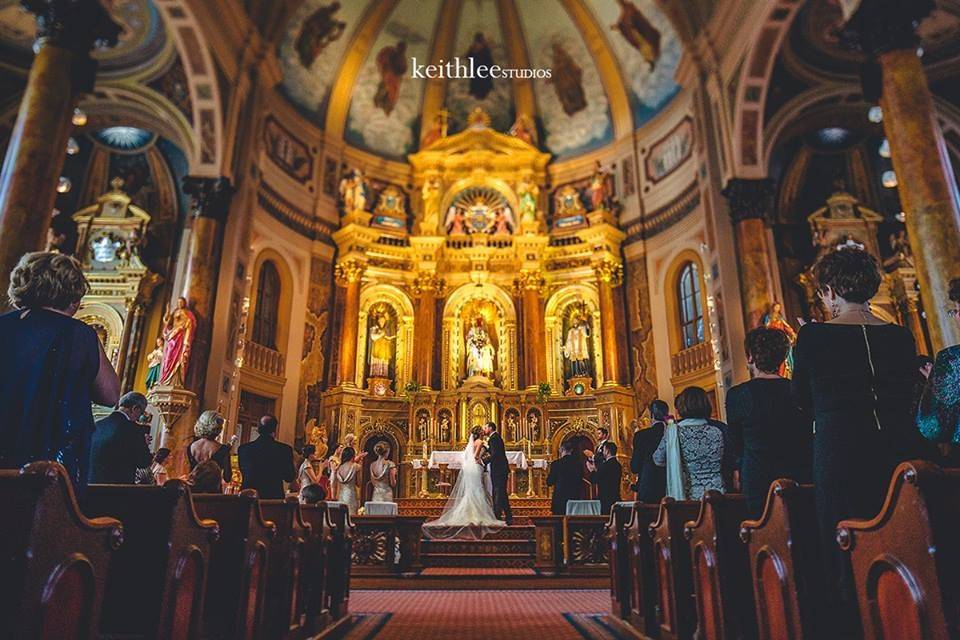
(312, 494)
(206, 477)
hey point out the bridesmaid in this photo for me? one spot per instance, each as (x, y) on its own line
(383, 473)
(346, 480)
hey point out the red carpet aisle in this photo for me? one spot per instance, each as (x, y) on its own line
(490, 615)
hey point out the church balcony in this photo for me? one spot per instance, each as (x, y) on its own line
(263, 360)
(690, 362)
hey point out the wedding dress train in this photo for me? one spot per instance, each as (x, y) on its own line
(469, 510)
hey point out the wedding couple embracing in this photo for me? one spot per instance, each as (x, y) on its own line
(479, 498)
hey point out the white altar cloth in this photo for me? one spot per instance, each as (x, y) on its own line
(452, 459)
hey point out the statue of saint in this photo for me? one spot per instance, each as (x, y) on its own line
(774, 319)
(576, 347)
(318, 437)
(353, 192)
(512, 427)
(422, 428)
(456, 221)
(503, 223)
(528, 192)
(524, 129)
(480, 351)
(381, 346)
(154, 360)
(179, 329)
(600, 188)
(445, 428)
(431, 203)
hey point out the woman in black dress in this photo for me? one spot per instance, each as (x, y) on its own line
(53, 367)
(207, 447)
(855, 373)
(777, 436)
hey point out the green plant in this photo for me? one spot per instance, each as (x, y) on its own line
(543, 392)
(410, 390)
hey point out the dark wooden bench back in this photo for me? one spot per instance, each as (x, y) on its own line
(239, 564)
(643, 580)
(786, 563)
(721, 569)
(339, 560)
(156, 581)
(285, 611)
(906, 561)
(53, 559)
(316, 566)
(671, 553)
(620, 517)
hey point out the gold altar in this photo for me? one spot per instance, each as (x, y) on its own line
(475, 311)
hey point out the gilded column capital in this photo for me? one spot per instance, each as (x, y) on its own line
(348, 271)
(530, 280)
(428, 281)
(609, 272)
(77, 25)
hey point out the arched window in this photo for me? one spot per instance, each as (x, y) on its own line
(691, 309)
(267, 307)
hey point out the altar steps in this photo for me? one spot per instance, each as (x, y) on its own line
(511, 547)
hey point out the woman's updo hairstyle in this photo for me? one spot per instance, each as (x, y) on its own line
(853, 274)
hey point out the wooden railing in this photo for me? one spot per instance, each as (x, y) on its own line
(263, 359)
(696, 359)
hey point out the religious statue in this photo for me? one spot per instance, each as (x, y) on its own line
(567, 80)
(512, 427)
(381, 346)
(638, 31)
(576, 347)
(600, 188)
(422, 428)
(319, 30)
(179, 329)
(445, 428)
(353, 191)
(502, 222)
(774, 319)
(523, 129)
(456, 221)
(437, 130)
(528, 192)
(317, 436)
(900, 245)
(480, 351)
(154, 360)
(533, 426)
(479, 52)
(392, 65)
(431, 203)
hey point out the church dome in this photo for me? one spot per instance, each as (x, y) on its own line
(358, 68)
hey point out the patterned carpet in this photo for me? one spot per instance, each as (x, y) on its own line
(487, 615)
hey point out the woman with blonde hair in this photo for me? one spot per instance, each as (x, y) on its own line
(206, 446)
(383, 474)
(53, 368)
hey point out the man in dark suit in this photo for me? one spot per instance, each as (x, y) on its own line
(119, 444)
(651, 480)
(603, 436)
(607, 477)
(265, 463)
(566, 478)
(499, 471)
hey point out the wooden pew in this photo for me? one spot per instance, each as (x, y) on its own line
(386, 545)
(620, 517)
(906, 560)
(676, 614)
(236, 588)
(316, 566)
(53, 559)
(155, 584)
(585, 547)
(786, 563)
(548, 542)
(721, 569)
(643, 580)
(339, 560)
(285, 604)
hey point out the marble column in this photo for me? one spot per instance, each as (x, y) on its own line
(62, 69)
(531, 284)
(749, 203)
(348, 274)
(210, 202)
(609, 276)
(426, 289)
(885, 30)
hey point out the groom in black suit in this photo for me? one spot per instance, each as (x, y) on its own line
(499, 471)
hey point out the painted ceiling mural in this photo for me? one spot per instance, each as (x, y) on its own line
(479, 37)
(313, 46)
(647, 48)
(385, 104)
(572, 103)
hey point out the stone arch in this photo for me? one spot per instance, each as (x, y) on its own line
(553, 317)
(452, 339)
(576, 425)
(401, 304)
(99, 314)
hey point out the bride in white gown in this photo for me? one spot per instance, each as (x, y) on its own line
(469, 511)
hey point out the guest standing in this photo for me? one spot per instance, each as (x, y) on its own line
(53, 367)
(206, 447)
(308, 473)
(206, 477)
(939, 413)
(346, 480)
(383, 474)
(855, 373)
(777, 436)
(651, 480)
(603, 435)
(607, 476)
(566, 478)
(119, 445)
(265, 463)
(696, 448)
